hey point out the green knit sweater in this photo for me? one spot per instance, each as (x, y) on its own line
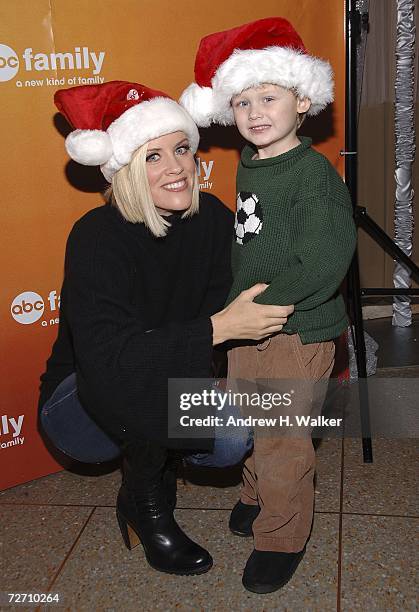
(294, 230)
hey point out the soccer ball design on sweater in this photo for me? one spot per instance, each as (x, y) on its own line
(249, 218)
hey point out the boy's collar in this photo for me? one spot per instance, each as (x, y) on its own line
(283, 159)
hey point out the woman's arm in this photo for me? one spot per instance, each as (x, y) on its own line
(241, 319)
(244, 319)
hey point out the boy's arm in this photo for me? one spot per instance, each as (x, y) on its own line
(321, 255)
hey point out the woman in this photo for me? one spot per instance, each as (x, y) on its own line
(145, 278)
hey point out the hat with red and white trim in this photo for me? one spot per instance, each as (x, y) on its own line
(264, 51)
(114, 119)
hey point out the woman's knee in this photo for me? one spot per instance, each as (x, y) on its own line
(228, 451)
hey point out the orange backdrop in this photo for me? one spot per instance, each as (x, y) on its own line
(47, 44)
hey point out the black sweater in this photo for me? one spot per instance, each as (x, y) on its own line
(121, 282)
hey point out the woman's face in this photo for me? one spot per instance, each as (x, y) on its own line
(171, 172)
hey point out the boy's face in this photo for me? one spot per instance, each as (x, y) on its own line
(266, 116)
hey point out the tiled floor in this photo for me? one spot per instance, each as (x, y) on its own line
(60, 535)
(398, 346)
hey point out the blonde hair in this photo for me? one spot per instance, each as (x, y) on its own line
(301, 117)
(130, 193)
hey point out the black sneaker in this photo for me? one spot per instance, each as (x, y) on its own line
(267, 571)
(241, 519)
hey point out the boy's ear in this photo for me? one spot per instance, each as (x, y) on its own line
(303, 105)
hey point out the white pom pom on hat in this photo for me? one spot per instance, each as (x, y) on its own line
(114, 119)
(200, 101)
(263, 51)
(89, 147)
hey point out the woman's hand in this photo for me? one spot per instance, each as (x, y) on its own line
(243, 319)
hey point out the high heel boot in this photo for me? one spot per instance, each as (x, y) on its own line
(170, 472)
(144, 516)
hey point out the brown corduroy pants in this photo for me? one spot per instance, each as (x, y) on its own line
(279, 473)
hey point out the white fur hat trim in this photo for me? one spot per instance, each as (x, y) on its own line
(310, 76)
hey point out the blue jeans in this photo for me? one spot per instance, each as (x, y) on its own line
(71, 429)
(231, 444)
(74, 432)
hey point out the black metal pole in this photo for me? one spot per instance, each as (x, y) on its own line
(364, 221)
(353, 23)
(388, 292)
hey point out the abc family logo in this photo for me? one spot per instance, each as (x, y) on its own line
(80, 59)
(28, 307)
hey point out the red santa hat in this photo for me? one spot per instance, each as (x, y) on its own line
(264, 51)
(114, 119)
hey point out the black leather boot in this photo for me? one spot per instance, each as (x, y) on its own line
(145, 517)
(241, 519)
(170, 473)
(267, 571)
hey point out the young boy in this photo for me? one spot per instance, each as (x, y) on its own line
(294, 230)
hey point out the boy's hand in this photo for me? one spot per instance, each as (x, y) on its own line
(243, 319)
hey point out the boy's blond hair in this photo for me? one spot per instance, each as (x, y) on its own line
(301, 117)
